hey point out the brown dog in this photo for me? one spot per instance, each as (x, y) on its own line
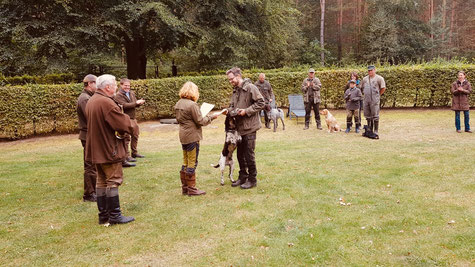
(332, 124)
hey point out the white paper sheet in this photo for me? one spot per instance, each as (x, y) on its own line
(219, 112)
(206, 108)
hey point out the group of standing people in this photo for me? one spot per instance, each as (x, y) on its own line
(373, 86)
(108, 124)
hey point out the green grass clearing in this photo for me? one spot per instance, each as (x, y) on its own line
(404, 189)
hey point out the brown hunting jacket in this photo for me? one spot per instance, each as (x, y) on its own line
(460, 99)
(105, 117)
(81, 110)
(249, 98)
(189, 117)
(129, 104)
(312, 91)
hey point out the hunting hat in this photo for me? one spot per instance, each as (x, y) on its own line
(311, 70)
(352, 81)
(371, 67)
(90, 78)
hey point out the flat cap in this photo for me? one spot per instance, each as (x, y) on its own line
(371, 67)
(311, 70)
(90, 78)
(352, 81)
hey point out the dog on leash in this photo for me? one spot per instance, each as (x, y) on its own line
(230, 144)
(332, 124)
(274, 114)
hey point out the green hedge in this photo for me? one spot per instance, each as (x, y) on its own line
(60, 78)
(40, 109)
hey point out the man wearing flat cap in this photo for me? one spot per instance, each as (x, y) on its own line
(311, 90)
(89, 169)
(373, 86)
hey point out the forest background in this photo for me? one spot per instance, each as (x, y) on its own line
(145, 39)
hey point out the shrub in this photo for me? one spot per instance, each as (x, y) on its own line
(38, 109)
(60, 78)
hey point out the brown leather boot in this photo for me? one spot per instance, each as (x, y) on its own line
(191, 182)
(184, 186)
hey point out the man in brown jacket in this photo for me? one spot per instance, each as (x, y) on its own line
(129, 102)
(89, 169)
(267, 93)
(246, 103)
(311, 91)
(105, 148)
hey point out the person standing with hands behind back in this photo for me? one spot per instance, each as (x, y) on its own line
(461, 90)
(311, 90)
(189, 117)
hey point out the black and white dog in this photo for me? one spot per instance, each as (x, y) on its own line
(230, 144)
(274, 114)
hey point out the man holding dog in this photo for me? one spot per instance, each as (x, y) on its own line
(266, 91)
(106, 123)
(311, 91)
(246, 103)
(373, 86)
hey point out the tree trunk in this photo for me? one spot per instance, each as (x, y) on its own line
(452, 22)
(340, 28)
(136, 58)
(431, 16)
(444, 11)
(358, 25)
(322, 30)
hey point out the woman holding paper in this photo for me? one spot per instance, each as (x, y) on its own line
(189, 117)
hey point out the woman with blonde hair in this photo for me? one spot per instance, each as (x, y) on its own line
(189, 117)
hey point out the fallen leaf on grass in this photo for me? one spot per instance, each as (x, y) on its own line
(451, 222)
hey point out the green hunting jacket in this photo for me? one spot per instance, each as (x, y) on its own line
(249, 98)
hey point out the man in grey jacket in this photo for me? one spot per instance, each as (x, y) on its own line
(246, 103)
(373, 87)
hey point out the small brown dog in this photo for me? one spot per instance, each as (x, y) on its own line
(332, 124)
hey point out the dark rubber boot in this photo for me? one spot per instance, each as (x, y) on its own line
(102, 207)
(319, 125)
(306, 125)
(115, 215)
(376, 128)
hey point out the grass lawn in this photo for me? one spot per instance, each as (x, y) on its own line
(411, 195)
